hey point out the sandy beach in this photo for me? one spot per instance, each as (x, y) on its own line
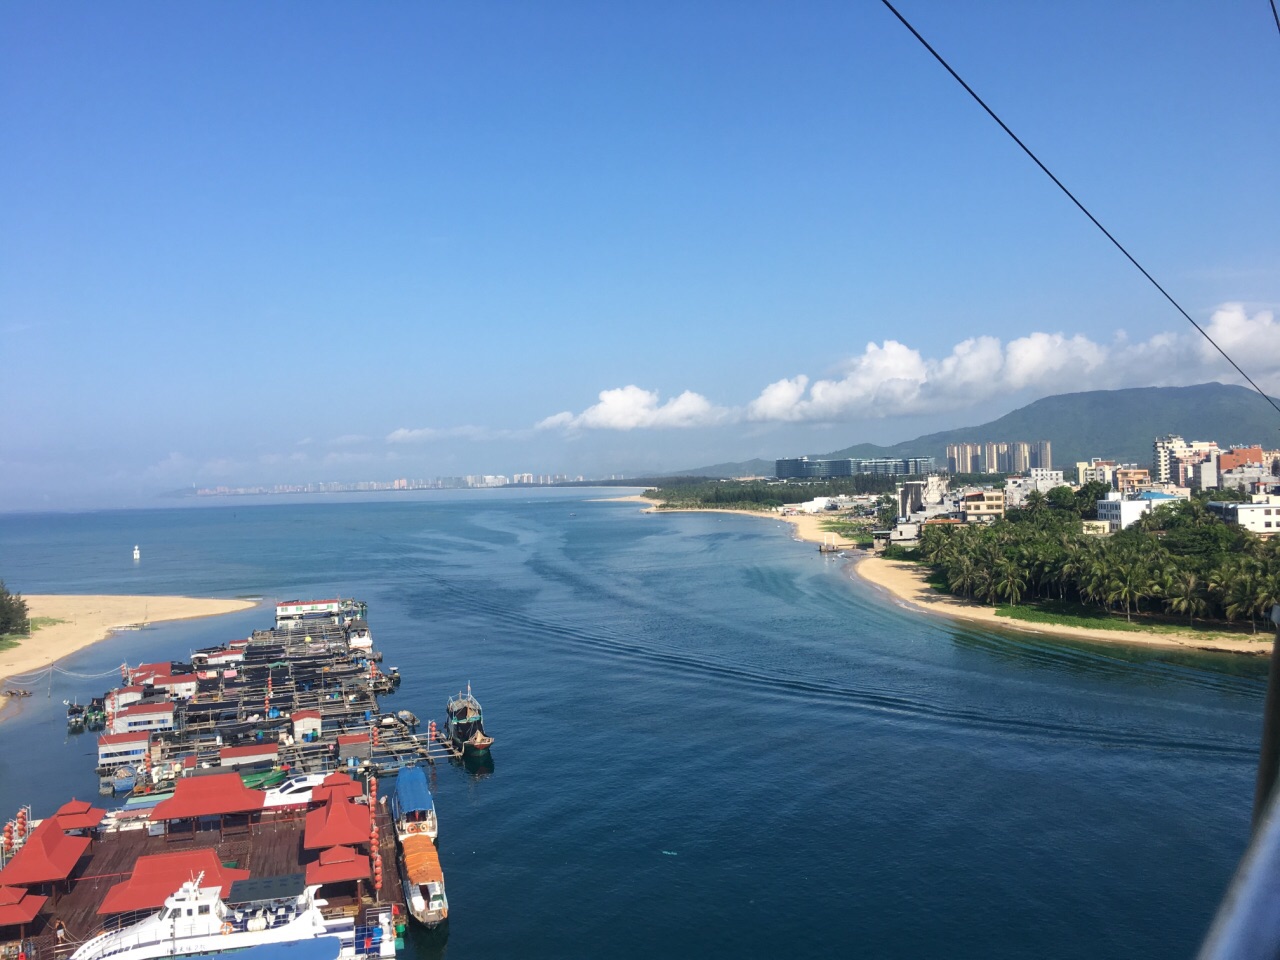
(807, 526)
(87, 619)
(908, 583)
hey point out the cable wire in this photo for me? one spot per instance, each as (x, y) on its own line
(1047, 172)
(1276, 14)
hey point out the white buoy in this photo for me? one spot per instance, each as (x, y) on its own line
(137, 554)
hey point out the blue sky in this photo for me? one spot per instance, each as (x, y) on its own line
(287, 242)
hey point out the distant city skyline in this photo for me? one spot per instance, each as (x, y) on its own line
(269, 243)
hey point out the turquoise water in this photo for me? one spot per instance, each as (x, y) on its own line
(710, 740)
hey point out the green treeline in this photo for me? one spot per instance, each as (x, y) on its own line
(757, 494)
(13, 612)
(1180, 559)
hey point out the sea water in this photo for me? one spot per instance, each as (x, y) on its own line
(711, 740)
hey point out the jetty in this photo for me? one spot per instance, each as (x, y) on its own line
(254, 763)
(302, 696)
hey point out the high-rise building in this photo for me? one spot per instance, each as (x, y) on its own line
(1042, 455)
(1167, 450)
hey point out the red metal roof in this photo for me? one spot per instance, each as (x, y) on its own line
(350, 738)
(48, 854)
(18, 907)
(79, 815)
(156, 877)
(209, 796)
(160, 669)
(338, 823)
(111, 739)
(338, 785)
(261, 750)
(176, 679)
(337, 865)
(305, 715)
(134, 709)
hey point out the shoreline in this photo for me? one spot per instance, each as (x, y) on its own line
(86, 619)
(806, 526)
(906, 584)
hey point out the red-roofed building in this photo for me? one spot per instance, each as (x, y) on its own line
(79, 815)
(18, 908)
(216, 795)
(48, 854)
(354, 745)
(121, 697)
(339, 865)
(337, 785)
(254, 753)
(338, 823)
(143, 716)
(117, 748)
(156, 877)
(305, 723)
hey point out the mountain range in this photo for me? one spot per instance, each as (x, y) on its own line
(1111, 424)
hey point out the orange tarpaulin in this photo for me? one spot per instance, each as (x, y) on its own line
(421, 860)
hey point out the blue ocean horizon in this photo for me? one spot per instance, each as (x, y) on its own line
(711, 740)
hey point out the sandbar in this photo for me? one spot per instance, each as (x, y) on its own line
(87, 619)
(806, 526)
(908, 583)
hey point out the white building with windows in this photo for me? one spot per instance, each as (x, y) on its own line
(1261, 517)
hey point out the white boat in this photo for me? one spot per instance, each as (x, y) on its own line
(294, 791)
(412, 806)
(266, 914)
(421, 876)
(358, 635)
(137, 554)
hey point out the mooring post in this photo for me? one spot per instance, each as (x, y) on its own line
(1269, 758)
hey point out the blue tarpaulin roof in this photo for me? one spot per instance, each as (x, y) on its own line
(412, 793)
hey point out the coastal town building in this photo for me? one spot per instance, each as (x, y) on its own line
(802, 468)
(1261, 516)
(1017, 489)
(1129, 478)
(982, 506)
(1016, 456)
(1119, 511)
(1095, 470)
(1166, 451)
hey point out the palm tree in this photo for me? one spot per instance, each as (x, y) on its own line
(1186, 594)
(963, 577)
(1009, 582)
(1129, 583)
(1241, 596)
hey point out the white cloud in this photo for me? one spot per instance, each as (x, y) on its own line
(427, 434)
(892, 379)
(348, 440)
(630, 407)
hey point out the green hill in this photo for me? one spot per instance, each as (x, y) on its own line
(1112, 424)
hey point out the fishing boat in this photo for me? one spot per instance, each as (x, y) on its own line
(412, 806)
(464, 725)
(255, 914)
(423, 880)
(76, 720)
